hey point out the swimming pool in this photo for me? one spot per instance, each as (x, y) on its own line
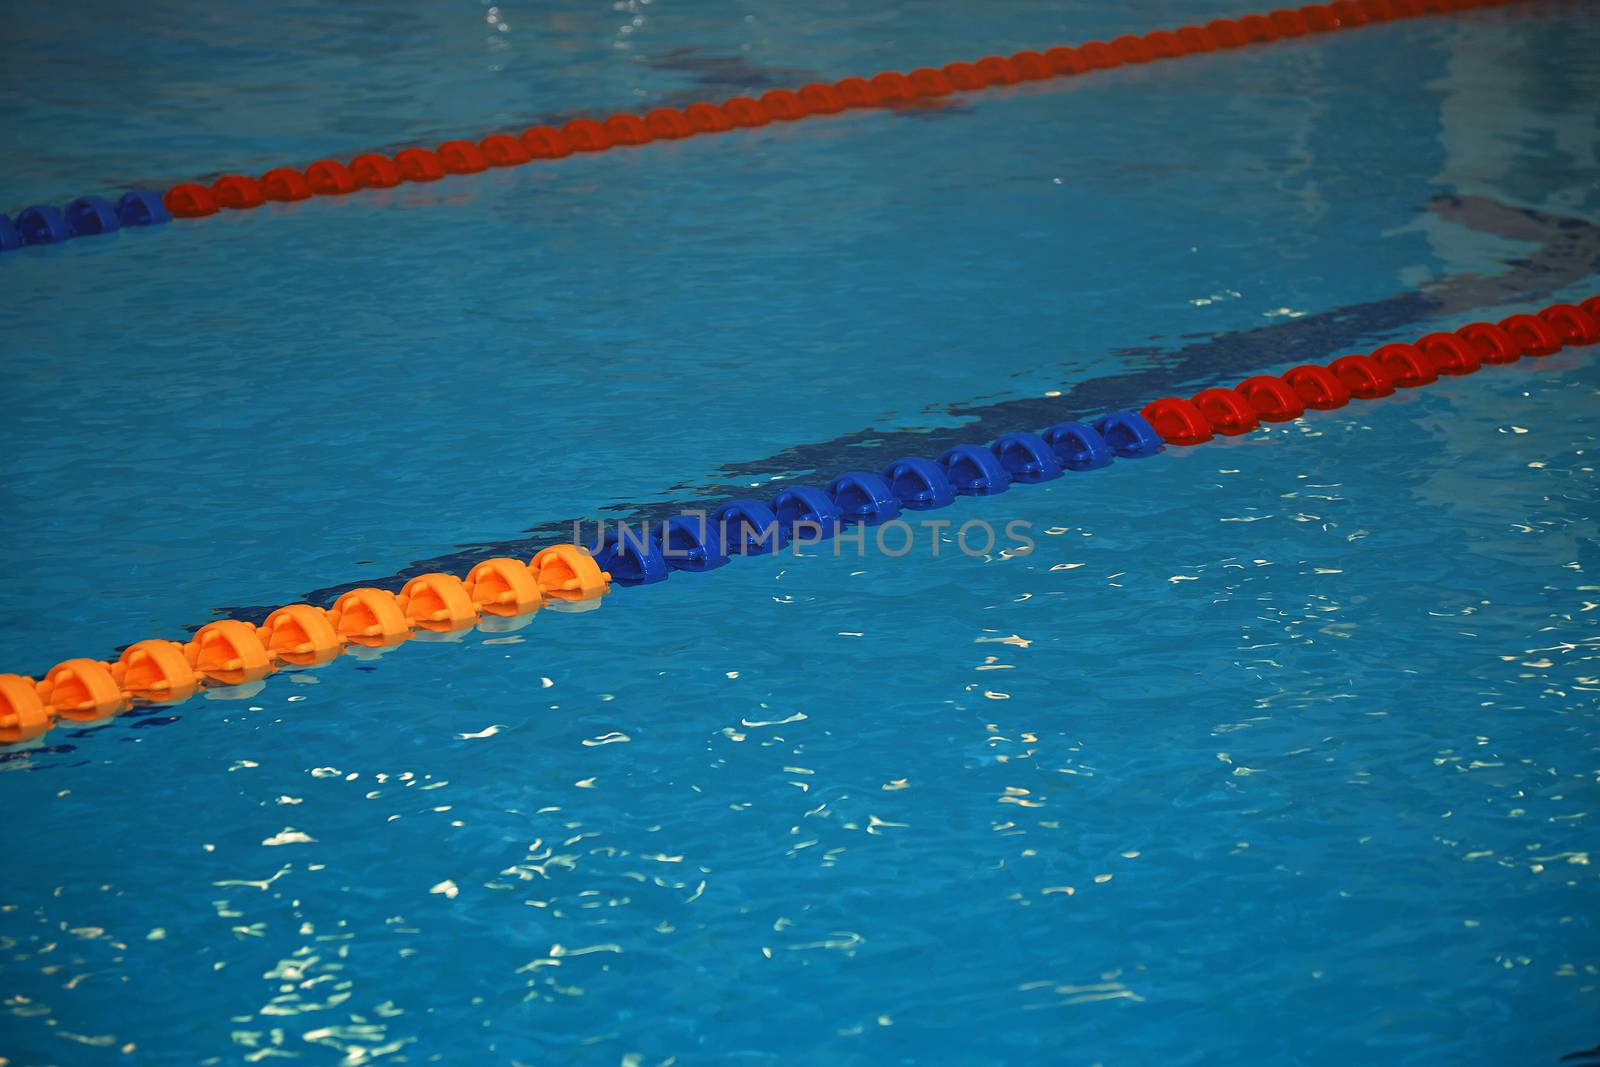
(1275, 750)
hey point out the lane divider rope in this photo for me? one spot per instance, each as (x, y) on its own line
(230, 652)
(93, 215)
(640, 556)
(499, 594)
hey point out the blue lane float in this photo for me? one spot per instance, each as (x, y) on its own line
(1129, 435)
(43, 225)
(748, 528)
(919, 483)
(1080, 447)
(87, 216)
(1027, 457)
(804, 514)
(974, 471)
(692, 543)
(862, 496)
(804, 504)
(141, 207)
(632, 555)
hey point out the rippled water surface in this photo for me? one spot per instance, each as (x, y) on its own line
(1283, 750)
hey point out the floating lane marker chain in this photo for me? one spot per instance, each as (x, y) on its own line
(230, 652)
(1264, 398)
(638, 556)
(88, 216)
(93, 215)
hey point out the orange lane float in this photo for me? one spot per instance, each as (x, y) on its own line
(23, 715)
(503, 586)
(156, 670)
(82, 690)
(302, 636)
(230, 653)
(438, 602)
(370, 617)
(567, 572)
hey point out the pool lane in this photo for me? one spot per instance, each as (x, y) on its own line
(1566, 252)
(90, 216)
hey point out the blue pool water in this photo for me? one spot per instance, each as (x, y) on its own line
(1282, 750)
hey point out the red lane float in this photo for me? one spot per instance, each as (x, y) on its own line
(1534, 335)
(709, 118)
(1178, 421)
(1573, 325)
(627, 130)
(885, 89)
(743, 111)
(418, 165)
(818, 98)
(1450, 353)
(504, 150)
(1227, 412)
(925, 81)
(1272, 399)
(782, 105)
(237, 192)
(327, 177)
(546, 142)
(1490, 342)
(1406, 365)
(373, 171)
(668, 124)
(1318, 387)
(190, 201)
(285, 183)
(1363, 376)
(858, 92)
(461, 157)
(1278, 399)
